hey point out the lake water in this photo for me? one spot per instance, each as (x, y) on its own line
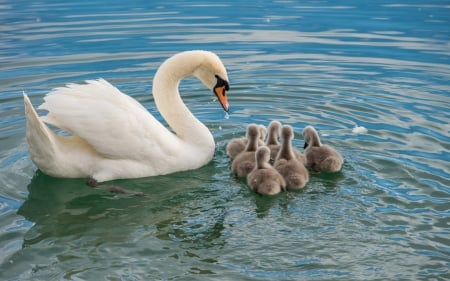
(384, 65)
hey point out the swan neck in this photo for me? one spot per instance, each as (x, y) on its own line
(262, 163)
(286, 150)
(272, 139)
(169, 103)
(252, 144)
(315, 140)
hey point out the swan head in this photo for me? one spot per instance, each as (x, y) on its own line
(252, 131)
(262, 132)
(311, 137)
(274, 132)
(213, 75)
(287, 133)
(262, 154)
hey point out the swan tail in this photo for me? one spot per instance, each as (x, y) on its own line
(40, 139)
(331, 164)
(296, 181)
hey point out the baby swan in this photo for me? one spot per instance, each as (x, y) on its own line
(293, 171)
(272, 142)
(319, 157)
(274, 146)
(264, 179)
(237, 145)
(244, 162)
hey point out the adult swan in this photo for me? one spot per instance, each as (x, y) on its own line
(114, 137)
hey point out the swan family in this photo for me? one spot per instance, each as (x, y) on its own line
(109, 135)
(278, 166)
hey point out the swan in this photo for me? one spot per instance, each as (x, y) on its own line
(264, 179)
(244, 163)
(319, 157)
(274, 130)
(274, 145)
(294, 172)
(114, 137)
(237, 145)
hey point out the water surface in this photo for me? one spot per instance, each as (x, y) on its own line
(331, 64)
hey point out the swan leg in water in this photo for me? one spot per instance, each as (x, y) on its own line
(114, 137)
(112, 188)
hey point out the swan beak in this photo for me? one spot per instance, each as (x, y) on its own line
(221, 94)
(305, 146)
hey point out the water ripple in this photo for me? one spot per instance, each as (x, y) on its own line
(381, 65)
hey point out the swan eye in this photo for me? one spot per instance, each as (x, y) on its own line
(221, 83)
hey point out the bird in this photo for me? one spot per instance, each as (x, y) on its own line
(264, 179)
(294, 172)
(319, 157)
(244, 163)
(112, 136)
(274, 131)
(273, 135)
(237, 145)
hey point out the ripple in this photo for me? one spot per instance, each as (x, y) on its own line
(385, 216)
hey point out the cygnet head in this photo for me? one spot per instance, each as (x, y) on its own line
(252, 131)
(262, 157)
(311, 137)
(274, 132)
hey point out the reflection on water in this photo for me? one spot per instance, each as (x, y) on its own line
(381, 65)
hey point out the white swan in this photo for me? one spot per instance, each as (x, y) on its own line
(114, 136)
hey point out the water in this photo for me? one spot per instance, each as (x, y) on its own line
(333, 64)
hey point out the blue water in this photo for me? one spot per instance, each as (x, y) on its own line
(335, 65)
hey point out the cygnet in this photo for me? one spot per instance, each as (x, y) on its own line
(244, 162)
(319, 157)
(237, 145)
(264, 179)
(273, 144)
(293, 171)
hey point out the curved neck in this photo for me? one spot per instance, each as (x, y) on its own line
(171, 106)
(315, 140)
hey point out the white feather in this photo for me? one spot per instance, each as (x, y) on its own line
(114, 136)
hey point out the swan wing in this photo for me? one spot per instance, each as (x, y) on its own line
(116, 125)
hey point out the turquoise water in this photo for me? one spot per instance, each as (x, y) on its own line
(332, 64)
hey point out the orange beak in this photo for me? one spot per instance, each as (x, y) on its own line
(221, 94)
